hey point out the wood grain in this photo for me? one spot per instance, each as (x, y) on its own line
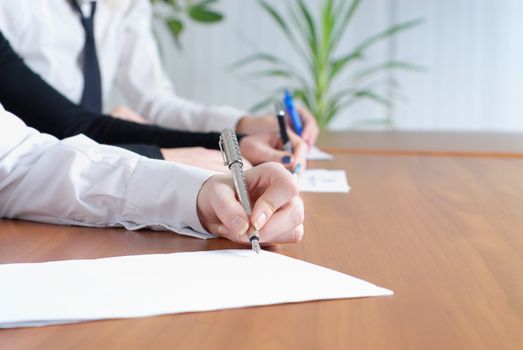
(457, 144)
(445, 233)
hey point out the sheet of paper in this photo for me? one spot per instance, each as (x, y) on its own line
(323, 180)
(70, 291)
(317, 154)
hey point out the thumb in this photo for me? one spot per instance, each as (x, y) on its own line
(222, 213)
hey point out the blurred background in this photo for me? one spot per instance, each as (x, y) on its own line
(451, 64)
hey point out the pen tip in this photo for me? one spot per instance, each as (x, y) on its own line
(255, 246)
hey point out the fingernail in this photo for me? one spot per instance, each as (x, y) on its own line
(240, 226)
(286, 159)
(297, 168)
(260, 221)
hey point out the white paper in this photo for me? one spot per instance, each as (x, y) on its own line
(317, 154)
(38, 294)
(323, 180)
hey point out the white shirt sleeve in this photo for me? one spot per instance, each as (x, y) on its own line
(79, 182)
(145, 85)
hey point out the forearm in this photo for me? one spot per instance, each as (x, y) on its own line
(169, 110)
(42, 107)
(39, 181)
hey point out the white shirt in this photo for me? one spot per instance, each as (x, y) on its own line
(49, 36)
(79, 182)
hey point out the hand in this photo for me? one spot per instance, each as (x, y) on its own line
(277, 208)
(199, 157)
(265, 124)
(257, 125)
(261, 148)
(310, 126)
(125, 113)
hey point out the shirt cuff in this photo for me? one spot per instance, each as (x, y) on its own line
(163, 195)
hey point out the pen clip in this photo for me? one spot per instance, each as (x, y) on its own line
(222, 151)
(230, 148)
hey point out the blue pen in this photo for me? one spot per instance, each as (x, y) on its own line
(293, 114)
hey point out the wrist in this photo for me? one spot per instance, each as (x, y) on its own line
(201, 203)
(242, 126)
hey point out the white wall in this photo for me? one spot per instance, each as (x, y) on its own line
(472, 51)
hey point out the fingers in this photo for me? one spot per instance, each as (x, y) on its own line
(276, 187)
(246, 164)
(310, 129)
(278, 211)
(299, 153)
(285, 225)
(232, 218)
(262, 148)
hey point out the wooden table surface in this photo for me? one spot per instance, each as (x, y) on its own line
(444, 233)
(472, 144)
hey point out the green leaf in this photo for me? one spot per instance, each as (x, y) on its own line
(281, 67)
(277, 18)
(257, 57)
(386, 66)
(338, 65)
(282, 73)
(343, 24)
(275, 15)
(202, 14)
(175, 26)
(304, 94)
(266, 101)
(373, 96)
(387, 33)
(328, 22)
(357, 53)
(310, 35)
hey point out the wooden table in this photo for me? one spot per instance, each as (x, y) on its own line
(442, 143)
(445, 233)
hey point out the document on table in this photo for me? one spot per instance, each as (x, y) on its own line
(323, 180)
(37, 294)
(317, 154)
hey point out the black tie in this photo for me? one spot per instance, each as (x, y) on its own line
(92, 94)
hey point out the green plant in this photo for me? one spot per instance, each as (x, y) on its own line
(327, 87)
(176, 12)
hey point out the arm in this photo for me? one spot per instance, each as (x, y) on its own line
(145, 85)
(24, 93)
(78, 182)
(118, 188)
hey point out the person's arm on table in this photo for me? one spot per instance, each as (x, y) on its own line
(40, 106)
(143, 81)
(76, 181)
(267, 123)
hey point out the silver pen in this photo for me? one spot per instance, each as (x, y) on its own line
(232, 158)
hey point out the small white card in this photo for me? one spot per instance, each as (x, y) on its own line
(317, 154)
(323, 180)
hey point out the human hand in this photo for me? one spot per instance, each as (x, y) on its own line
(199, 157)
(261, 148)
(125, 113)
(268, 123)
(277, 212)
(310, 127)
(250, 125)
